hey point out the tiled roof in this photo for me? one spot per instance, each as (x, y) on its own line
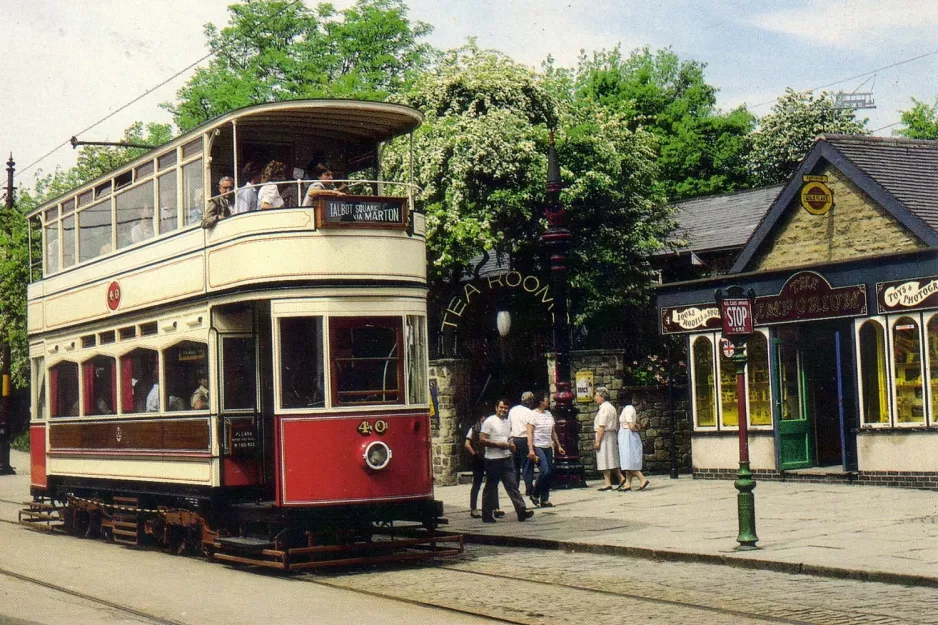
(722, 221)
(906, 168)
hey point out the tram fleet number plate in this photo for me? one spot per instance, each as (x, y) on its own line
(366, 427)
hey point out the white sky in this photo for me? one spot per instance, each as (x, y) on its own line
(71, 63)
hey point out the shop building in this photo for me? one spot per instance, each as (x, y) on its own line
(842, 380)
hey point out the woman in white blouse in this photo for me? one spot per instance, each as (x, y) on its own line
(607, 447)
(269, 195)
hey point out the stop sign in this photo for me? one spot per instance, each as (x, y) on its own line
(737, 316)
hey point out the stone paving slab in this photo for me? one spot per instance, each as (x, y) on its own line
(835, 530)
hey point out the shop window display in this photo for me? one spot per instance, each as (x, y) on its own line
(873, 373)
(910, 405)
(760, 406)
(931, 339)
(704, 394)
(729, 398)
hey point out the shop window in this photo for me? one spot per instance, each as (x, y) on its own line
(729, 398)
(140, 381)
(185, 373)
(301, 363)
(417, 383)
(39, 388)
(68, 241)
(99, 376)
(366, 363)
(167, 199)
(907, 361)
(932, 341)
(704, 393)
(94, 231)
(873, 373)
(63, 389)
(135, 215)
(760, 406)
(193, 192)
(52, 248)
(239, 373)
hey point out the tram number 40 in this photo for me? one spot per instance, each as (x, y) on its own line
(367, 427)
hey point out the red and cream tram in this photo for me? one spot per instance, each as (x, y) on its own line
(256, 389)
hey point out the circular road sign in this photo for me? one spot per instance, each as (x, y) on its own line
(816, 198)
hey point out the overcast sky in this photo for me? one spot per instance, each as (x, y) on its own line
(68, 64)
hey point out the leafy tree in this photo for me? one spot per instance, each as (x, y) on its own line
(700, 150)
(785, 136)
(483, 173)
(920, 122)
(275, 50)
(93, 161)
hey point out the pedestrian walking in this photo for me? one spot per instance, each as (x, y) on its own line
(542, 440)
(606, 446)
(498, 465)
(476, 451)
(518, 418)
(631, 452)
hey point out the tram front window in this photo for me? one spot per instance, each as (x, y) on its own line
(301, 356)
(366, 362)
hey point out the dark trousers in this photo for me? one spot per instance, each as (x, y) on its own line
(478, 474)
(523, 466)
(500, 470)
(546, 475)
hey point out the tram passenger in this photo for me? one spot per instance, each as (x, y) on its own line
(143, 229)
(196, 205)
(322, 186)
(219, 207)
(269, 195)
(153, 397)
(199, 400)
(247, 195)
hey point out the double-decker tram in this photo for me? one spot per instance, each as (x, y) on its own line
(253, 386)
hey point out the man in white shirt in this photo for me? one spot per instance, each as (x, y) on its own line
(143, 229)
(247, 195)
(153, 397)
(519, 417)
(498, 466)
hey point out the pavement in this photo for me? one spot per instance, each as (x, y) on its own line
(846, 531)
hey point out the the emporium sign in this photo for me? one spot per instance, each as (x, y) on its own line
(900, 295)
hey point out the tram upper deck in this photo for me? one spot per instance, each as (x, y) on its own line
(133, 238)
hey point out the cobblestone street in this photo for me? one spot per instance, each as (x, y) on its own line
(536, 586)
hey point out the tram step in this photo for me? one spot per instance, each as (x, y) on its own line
(37, 517)
(125, 501)
(38, 505)
(244, 543)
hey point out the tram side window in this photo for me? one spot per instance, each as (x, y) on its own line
(52, 248)
(910, 407)
(417, 383)
(140, 381)
(239, 377)
(193, 193)
(135, 215)
(68, 241)
(932, 339)
(99, 376)
(185, 372)
(703, 382)
(366, 362)
(873, 373)
(301, 362)
(167, 191)
(39, 388)
(63, 389)
(94, 231)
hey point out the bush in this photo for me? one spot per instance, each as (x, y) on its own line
(21, 442)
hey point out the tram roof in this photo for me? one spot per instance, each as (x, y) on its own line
(355, 120)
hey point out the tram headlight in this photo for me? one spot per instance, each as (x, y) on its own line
(377, 455)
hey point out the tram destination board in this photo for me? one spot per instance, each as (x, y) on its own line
(362, 211)
(737, 316)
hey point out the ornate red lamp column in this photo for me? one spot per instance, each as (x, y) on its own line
(568, 468)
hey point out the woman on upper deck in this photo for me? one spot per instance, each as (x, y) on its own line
(322, 186)
(269, 195)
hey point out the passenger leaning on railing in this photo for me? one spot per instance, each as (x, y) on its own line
(269, 195)
(219, 207)
(322, 186)
(247, 195)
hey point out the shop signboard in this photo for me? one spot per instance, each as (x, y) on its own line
(695, 318)
(816, 197)
(584, 387)
(806, 296)
(902, 295)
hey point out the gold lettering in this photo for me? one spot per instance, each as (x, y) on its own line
(456, 306)
(508, 277)
(495, 279)
(543, 294)
(469, 289)
(537, 284)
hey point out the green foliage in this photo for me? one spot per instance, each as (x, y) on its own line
(482, 171)
(920, 122)
(700, 149)
(276, 50)
(21, 442)
(786, 135)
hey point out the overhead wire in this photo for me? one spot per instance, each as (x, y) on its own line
(23, 170)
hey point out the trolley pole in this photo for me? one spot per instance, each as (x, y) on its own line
(6, 423)
(568, 470)
(736, 310)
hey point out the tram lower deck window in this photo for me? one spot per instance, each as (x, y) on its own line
(366, 362)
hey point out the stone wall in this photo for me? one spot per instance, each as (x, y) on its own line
(452, 379)
(652, 403)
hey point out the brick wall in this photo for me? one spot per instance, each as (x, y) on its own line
(854, 227)
(447, 435)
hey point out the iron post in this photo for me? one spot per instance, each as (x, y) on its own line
(568, 469)
(6, 423)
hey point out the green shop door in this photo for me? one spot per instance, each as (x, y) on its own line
(793, 435)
